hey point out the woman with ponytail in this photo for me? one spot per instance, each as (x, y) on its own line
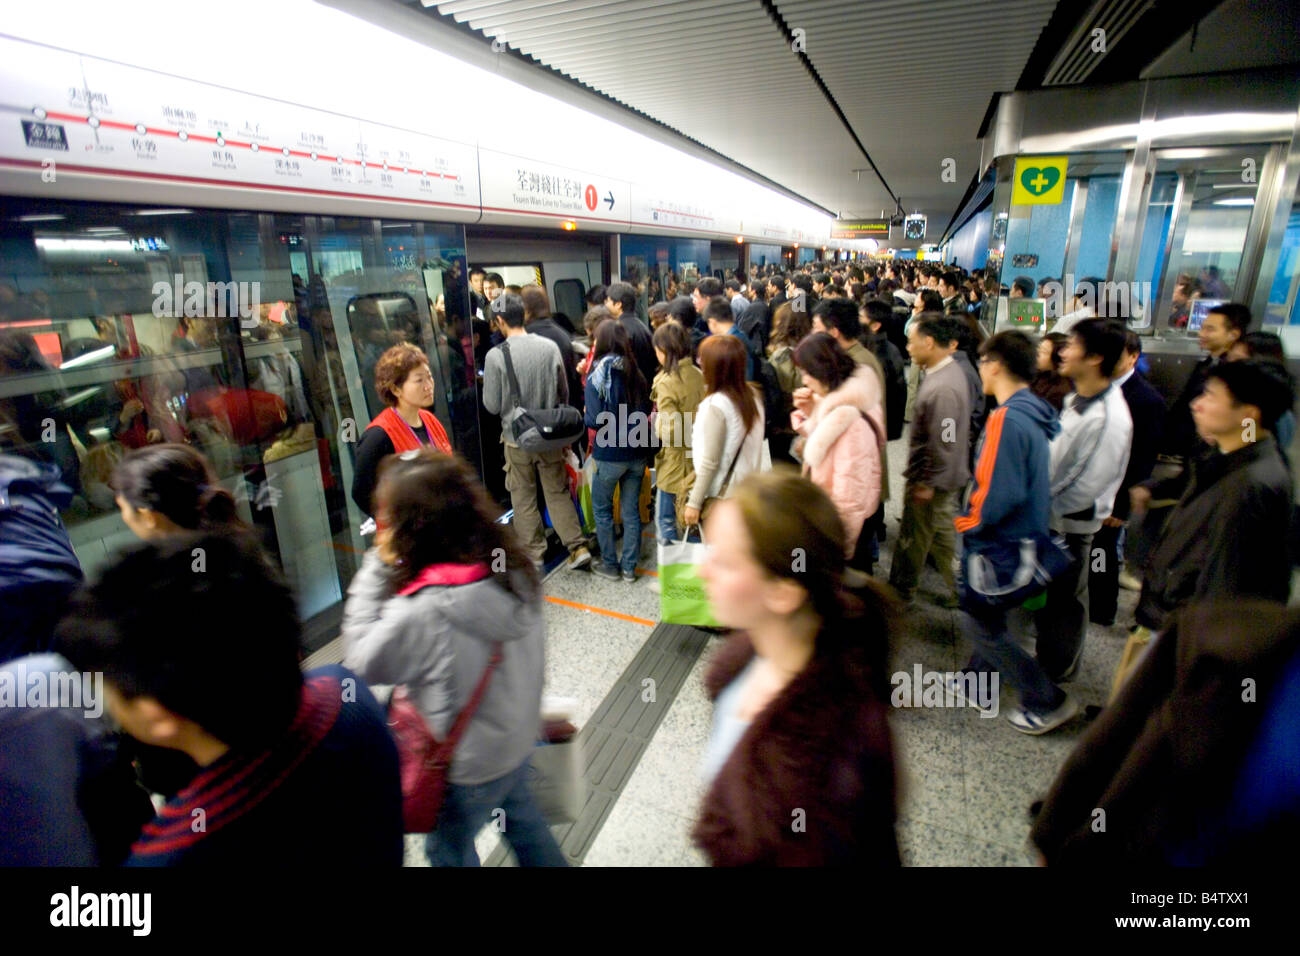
(170, 488)
(800, 759)
(164, 490)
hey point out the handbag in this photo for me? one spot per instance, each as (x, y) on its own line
(423, 760)
(540, 429)
(555, 775)
(1010, 574)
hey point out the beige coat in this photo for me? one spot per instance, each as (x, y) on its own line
(677, 396)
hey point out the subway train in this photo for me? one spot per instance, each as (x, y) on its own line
(213, 224)
(222, 263)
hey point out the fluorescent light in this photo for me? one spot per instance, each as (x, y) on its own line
(163, 212)
(89, 358)
(49, 218)
(83, 245)
(1240, 201)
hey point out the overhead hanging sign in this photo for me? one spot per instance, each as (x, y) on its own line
(860, 229)
(519, 184)
(1039, 180)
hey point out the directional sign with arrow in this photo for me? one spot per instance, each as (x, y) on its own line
(522, 184)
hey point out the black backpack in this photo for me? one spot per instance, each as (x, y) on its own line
(776, 403)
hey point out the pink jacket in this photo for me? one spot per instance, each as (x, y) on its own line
(842, 451)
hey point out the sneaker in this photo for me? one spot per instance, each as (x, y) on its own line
(629, 577)
(653, 586)
(1028, 722)
(1128, 582)
(956, 687)
(603, 570)
(580, 558)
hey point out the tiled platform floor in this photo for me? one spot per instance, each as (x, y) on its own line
(966, 781)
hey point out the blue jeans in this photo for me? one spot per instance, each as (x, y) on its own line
(466, 808)
(667, 512)
(996, 650)
(626, 476)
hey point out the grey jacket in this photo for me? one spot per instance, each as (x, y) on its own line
(939, 445)
(542, 380)
(438, 642)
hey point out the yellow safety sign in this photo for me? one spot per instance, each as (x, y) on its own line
(1039, 180)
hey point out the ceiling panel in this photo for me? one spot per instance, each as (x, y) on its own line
(912, 79)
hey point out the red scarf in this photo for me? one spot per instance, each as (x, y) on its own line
(447, 575)
(402, 436)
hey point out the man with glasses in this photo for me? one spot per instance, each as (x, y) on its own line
(1011, 503)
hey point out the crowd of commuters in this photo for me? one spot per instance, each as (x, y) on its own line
(765, 405)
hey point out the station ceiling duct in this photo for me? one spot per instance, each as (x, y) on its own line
(865, 109)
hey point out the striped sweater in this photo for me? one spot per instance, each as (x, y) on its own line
(327, 790)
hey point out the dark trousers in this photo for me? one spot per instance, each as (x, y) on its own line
(995, 650)
(1103, 577)
(864, 555)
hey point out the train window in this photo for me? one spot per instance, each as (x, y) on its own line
(244, 335)
(569, 296)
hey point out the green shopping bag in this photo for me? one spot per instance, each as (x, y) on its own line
(682, 597)
(585, 508)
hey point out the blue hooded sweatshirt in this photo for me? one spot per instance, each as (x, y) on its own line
(1012, 497)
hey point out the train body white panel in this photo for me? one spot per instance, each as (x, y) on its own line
(95, 95)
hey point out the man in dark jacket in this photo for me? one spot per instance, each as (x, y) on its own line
(876, 316)
(1227, 536)
(538, 321)
(38, 568)
(621, 301)
(1011, 502)
(285, 758)
(1147, 410)
(1169, 761)
(1218, 333)
(775, 291)
(756, 320)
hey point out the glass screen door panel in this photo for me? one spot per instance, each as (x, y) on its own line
(1199, 229)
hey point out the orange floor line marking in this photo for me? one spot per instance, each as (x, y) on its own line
(653, 574)
(601, 610)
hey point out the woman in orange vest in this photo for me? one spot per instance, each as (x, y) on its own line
(405, 384)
